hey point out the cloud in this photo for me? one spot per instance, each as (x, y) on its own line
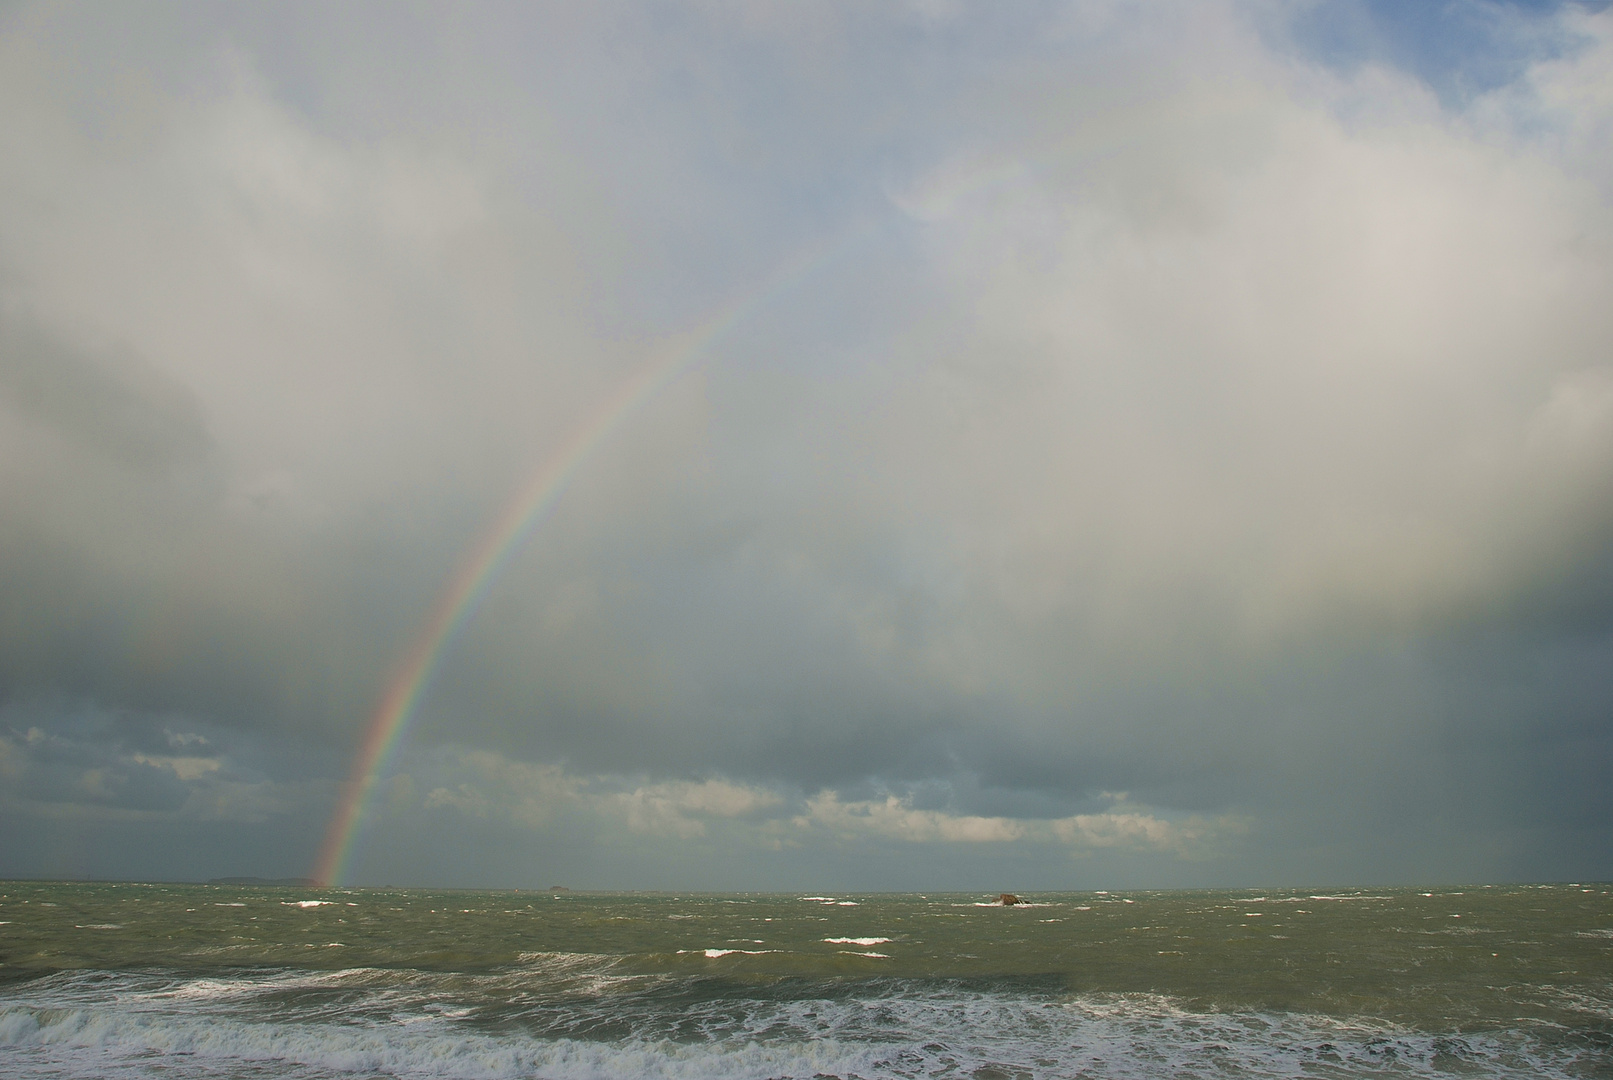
(116, 404)
(101, 767)
(756, 816)
(186, 768)
(676, 808)
(1131, 828)
(1159, 402)
(533, 795)
(526, 794)
(1562, 102)
(1279, 390)
(896, 819)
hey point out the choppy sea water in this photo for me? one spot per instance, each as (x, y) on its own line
(190, 981)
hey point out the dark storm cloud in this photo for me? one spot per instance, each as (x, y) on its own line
(1188, 463)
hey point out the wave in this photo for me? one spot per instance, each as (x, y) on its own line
(412, 1025)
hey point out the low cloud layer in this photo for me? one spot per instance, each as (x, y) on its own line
(1213, 407)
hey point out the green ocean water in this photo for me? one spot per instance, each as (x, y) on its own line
(189, 980)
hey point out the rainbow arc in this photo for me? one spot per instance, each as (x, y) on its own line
(480, 567)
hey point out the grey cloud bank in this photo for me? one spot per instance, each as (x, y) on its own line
(1183, 459)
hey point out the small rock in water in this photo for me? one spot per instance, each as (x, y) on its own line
(1009, 899)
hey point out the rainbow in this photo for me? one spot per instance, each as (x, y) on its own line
(464, 592)
(482, 564)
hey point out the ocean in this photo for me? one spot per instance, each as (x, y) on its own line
(191, 981)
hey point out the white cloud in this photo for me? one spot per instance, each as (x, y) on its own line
(1255, 367)
(535, 795)
(675, 808)
(532, 795)
(895, 818)
(1563, 104)
(186, 768)
(1131, 828)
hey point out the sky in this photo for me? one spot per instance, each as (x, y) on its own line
(936, 445)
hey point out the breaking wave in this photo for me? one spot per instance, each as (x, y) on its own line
(364, 1023)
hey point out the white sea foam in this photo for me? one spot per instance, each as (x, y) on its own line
(210, 989)
(564, 960)
(856, 940)
(572, 973)
(412, 1026)
(305, 903)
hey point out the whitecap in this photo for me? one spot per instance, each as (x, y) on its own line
(856, 940)
(77, 1025)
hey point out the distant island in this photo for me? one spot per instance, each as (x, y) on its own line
(304, 882)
